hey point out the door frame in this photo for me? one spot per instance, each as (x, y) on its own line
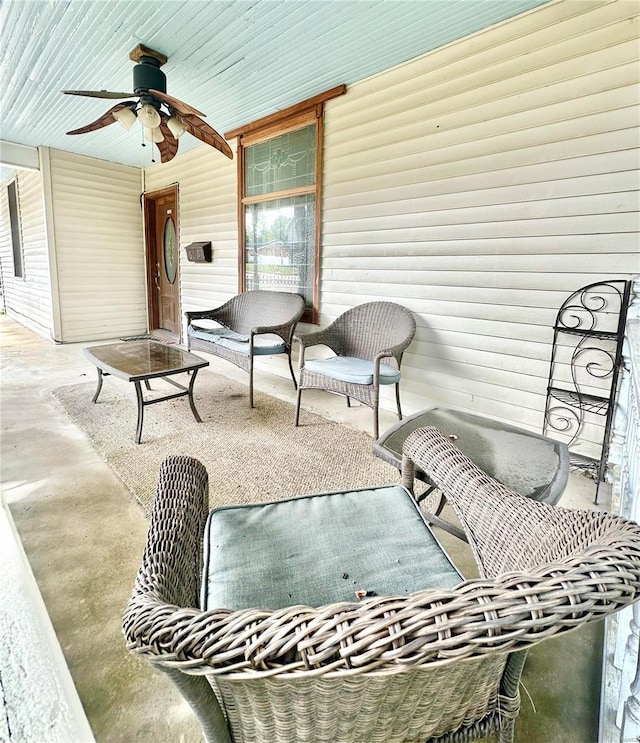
(149, 199)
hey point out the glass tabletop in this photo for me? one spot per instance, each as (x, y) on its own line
(145, 358)
(527, 462)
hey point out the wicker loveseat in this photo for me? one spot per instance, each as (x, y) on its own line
(441, 664)
(254, 323)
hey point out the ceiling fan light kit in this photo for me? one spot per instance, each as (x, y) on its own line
(164, 117)
(148, 116)
(125, 117)
(153, 135)
(176, 127)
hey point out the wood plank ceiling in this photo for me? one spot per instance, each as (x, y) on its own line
(236, 60)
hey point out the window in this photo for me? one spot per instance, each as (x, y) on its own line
(14, 221)
(279, 182)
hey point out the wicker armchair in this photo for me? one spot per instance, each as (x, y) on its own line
(437, 665)
(361, 339)
(255, 323)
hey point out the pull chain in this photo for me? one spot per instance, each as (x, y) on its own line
(144, 144)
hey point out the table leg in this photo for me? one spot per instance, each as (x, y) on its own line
(140, 411)
(95, 397)
(445, 525)
(191, 403)
(439, 505)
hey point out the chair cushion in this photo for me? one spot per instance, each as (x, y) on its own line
(263, 345)
(208, 334)
(321, 549)
(350, 369)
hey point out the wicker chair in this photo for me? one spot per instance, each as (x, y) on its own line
(360, 339)
(437, 665)
(255, 323)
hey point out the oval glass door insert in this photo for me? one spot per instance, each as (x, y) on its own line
(170, 255)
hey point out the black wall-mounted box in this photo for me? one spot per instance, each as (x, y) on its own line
(199, 252)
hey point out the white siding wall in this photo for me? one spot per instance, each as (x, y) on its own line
(478, 185)
(97, 221)
(481, 184)
(27, 299)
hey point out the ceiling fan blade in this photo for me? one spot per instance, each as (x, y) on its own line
(106, 119)
(202, 131)
(98, 93)
(180, 107)
(169, 145)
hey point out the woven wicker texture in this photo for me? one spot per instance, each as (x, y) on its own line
(393, 669)
(251, 313)
(375, 331)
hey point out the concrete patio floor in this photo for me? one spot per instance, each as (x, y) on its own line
(84, 535)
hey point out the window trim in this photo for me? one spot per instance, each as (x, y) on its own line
(289, 119)
(15, 226)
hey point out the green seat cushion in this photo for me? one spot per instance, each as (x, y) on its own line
(263, 345)
(209, 334)
(352, 370)
(321, 549)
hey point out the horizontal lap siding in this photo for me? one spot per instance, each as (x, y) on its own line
(97, 223)
(207, 183)
(479, 186)
(27, 299)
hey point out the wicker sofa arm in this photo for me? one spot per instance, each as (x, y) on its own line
(285, 329)
(171, 567)
(214, 314)
(168, 584)
(505, 530)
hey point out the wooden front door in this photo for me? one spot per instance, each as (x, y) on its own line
(161, 220)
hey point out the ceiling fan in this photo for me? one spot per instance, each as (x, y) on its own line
(163, 117)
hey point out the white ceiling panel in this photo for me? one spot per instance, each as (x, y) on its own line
(236, 60)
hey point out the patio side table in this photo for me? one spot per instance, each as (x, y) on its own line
(531, 464)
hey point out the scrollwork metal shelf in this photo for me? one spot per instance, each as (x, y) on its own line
(589, 403)
(585, 363)
(599, 334)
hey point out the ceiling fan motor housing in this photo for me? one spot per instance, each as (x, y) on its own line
(147, 74)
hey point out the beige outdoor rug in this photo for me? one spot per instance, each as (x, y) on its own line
(250, 455)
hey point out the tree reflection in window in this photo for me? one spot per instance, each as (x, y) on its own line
(280, 245)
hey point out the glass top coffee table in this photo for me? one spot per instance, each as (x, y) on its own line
(533, 465)
(140, 361)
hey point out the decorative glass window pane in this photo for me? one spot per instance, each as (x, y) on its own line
(170, 257)
(281, 163)
(280, 245)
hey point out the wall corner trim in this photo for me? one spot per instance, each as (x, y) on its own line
(50, 233)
